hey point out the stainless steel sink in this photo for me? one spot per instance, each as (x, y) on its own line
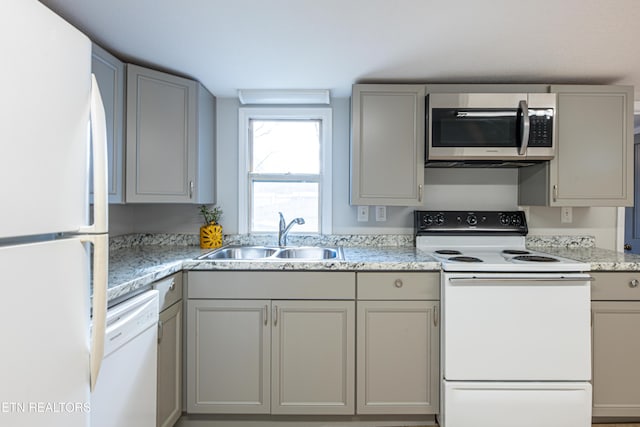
(240, 252)
(268, 253)
(310, 253)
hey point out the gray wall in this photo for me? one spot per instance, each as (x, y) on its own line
(473, 189)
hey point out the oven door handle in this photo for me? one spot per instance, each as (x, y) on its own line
(485, 279)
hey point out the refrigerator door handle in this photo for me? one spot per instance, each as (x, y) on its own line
(99, 146)
(99, 301)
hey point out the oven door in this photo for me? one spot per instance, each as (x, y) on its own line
(516, 327)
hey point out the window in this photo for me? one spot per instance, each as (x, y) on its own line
(285, 166)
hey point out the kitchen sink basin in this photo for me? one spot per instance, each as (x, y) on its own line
(267, 253)
(309, 253)
(240, 252)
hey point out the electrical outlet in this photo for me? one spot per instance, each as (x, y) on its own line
(363, 213)
(566, 215)
(381, 213)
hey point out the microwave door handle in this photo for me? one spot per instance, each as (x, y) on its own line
(525, 127)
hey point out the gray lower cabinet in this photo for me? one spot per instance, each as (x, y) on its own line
(228, 350)
(255, 354)
(387, 144)
(398, 343)
(109, 72)
(169, 398)
(170, 138)
(616, 344)
(593, 165)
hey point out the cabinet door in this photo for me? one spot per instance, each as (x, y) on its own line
(398, 357)
(228, 348)
(169, 401)
(161, 136)
(109, 72)
(387, 144)
(594, 160)
(616, 351)
(313, 357)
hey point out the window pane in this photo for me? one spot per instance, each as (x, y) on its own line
(293, 199)
(285, 146)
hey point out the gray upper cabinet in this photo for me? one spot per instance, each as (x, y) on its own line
(170, 138)
(593, 165)
(109, 72)
(387, 144)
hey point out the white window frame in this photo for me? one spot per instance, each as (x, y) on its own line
(297, 113)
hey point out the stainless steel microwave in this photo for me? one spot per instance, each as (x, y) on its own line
(481, 127)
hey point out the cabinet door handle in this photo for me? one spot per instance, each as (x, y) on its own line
(420, 190)
(265, 312)
(435, 316)
(191, 186)
(555, 193)
(160, 330)
(398, 283)
(634, 283)
(275, 315)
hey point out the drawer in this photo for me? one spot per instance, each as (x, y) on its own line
(170, 289)
(615, 286)
(398, 286)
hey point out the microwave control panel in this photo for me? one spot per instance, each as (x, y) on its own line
(540, 127)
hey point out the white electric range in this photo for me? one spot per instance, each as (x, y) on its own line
(515, 339)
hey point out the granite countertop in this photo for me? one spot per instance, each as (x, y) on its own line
(134, 267)
(600, 259)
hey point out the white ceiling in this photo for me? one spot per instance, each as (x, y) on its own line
(331, 44)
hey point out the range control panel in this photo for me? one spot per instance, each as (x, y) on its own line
(470, 222)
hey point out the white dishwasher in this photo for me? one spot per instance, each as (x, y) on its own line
(125, 393)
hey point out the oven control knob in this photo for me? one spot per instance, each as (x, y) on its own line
(504, 219)
(472, 220)
(428, 220)
(515, 220)
(439, 219)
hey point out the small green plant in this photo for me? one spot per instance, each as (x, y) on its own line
(211, 214)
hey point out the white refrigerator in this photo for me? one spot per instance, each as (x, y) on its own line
(53, 260)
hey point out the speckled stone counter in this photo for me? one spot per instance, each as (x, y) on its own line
(600, 259)
(135, 268)
(132, 269)
(136, 261)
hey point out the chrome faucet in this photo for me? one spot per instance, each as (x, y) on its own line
(284, 230)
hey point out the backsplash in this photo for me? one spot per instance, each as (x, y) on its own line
(347, 240)
(561, 241)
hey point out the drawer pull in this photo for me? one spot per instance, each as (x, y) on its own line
(398, 283)
(172, 286)
(634, 283)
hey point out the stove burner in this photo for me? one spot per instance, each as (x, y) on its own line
(535, 258)
(515, 252)
(465, 259)
(448, 252)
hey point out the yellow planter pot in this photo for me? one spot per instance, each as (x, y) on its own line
(210, 236)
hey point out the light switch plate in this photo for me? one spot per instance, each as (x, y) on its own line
(363, 213)
(566, 215)
(381, 213)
